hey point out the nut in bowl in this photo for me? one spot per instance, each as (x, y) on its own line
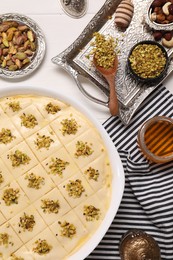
(22, 45)
(148, 61)
(159, 15)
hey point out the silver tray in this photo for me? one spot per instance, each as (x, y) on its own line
(131, 93)
(40, 51)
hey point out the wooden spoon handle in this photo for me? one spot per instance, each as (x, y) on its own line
(113, 100)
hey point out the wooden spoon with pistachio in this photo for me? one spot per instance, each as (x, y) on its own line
(109, 74)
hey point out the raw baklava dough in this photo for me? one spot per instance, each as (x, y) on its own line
(55, 178)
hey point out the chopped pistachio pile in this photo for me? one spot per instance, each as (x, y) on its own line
(104, 50)
(75, 188)
(67, 229)
(50, 206)
(52, 109)
(27, 222)
(57, 166)
(83, 149)
(17, 158)
(43, 141)
(14, 257)
(35, 181)
(42, 247)
(29, 121)
(147, 60)
(92, 173)
(91, 213)
(4, 239)
(10, 196)
(15, 106)
(69, 126)
(6, 136)
(1, 178)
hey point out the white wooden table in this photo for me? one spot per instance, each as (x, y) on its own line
(60, 31)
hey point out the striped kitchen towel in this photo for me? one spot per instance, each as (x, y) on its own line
(147, 203)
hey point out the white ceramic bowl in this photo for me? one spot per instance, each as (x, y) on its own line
(118, 179)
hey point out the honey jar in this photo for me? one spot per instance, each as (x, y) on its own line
(155, 138)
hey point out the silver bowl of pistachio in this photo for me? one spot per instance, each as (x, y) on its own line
(22, 46)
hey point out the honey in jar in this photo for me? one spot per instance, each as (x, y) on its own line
(155, 139)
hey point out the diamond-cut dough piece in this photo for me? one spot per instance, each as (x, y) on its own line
(42, 105)
(69, 170)
(57, 252)
(102, 165)
(13, 209)
(22, 252)
(54, 195)
(14, 241)
(32, 193)
(104, 195)
(69, 243)
(26, 235)
(7, 124)
(92, 141)
(79, 210)
(69, 113)
(23, 103)
(25, 132)
(71, 200)
(43, 152)
(6, 175)
(22, 168)
(2, 114)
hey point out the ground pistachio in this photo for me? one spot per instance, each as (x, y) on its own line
(57, 166)
(4, 239)
(42, 247)
(14, 257)
(18, 158)
(43, 141)
(27, 222)
(10, 196)
(92, 173)
(1, 178)
(147, 60)
(104, 50)
(69, 126)
(67, 229)
(29, 121)
(34, 181)
(75, 188)
(50, 206)
(52, 109)
(83, 149)
(91, 213)
(15, 106)
(6, 136)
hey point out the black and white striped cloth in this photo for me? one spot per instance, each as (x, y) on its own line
(147, 203)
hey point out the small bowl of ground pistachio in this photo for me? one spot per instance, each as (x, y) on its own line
(148, 61)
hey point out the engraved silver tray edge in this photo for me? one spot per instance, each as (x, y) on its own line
(66, 60)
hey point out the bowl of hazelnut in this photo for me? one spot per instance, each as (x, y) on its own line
(159, 17)
(159, 14)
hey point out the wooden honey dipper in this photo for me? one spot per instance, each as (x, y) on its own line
(124, 13)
